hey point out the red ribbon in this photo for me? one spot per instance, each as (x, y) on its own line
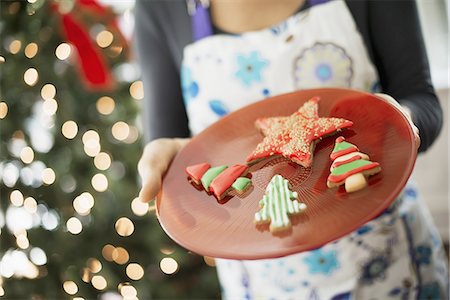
(95, 71)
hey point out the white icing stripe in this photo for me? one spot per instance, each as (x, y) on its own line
(285, 201)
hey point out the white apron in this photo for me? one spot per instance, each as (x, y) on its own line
(398, 255)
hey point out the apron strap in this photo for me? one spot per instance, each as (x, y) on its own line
(201, 20)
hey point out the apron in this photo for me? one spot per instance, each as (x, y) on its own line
(397, 255)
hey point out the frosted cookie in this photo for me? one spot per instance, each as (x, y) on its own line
(219, 180)
(278, 203)
(295, 136)
(223, 183)
(196, 172)
(350, 167)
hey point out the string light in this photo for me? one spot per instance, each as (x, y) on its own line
(91, 141)
(63, 51)
(3, 110)
(27, 155)
(120, 130)
(99, 182)
(74, 225)
(48, 91)
(16, 198)
(168, 265)
(50, 107)
(99, 282)
(104, 38)
(86, 276)
(70, 287)
(15, 46)
(124, 226)
(102, 161)
(137, 90)
(132, 135)
(69, 129)
(127, 291)
(31, 76)
(105, 105)
(134, 271)
(92, 150)
(30, 205)
(38, 257)
(120, 255)
(138, 207)
(31, 50)
(48, 176)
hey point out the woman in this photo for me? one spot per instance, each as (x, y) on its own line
(202, 60)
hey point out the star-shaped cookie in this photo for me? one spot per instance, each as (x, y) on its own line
(295, 136)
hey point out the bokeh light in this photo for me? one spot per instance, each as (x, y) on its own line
(48, 91)
(99, 182)
(83, 203)
(120, 130)
(31, 76)
(134, 271)
(105, 105)
(104, 38)
(128, 292)
(107, 252)
(94, 265)
(124, 226)
(120, 255)
(102, 161)
(16, 198)
(99, 282)
(30, 205)
(138, 207)
(31, 50)
(50, 107)
(69, 129)
(63, 51)
(38, 257)
(48, 176)
(74, 225)
(137, 90)
(15, 46)
(168, 265)
(3, 110)
(70, 287)
(22, 241)
(27, 155)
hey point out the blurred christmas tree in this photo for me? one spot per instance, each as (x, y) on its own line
(69, 103)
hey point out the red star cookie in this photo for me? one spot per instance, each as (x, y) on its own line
(294, 136)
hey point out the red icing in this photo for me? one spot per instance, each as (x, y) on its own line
(224, 180)
(340, 163)
(335, 155)
(196, 171)
(340, 178)
(340, 139)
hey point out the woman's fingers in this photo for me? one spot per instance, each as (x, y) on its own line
(154, 163)
(406, 111)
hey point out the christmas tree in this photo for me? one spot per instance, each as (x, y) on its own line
(70, 223)
(350, 167)
(278, 203)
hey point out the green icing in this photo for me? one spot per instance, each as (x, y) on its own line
(342, 169)
(241, 183)
(342, 146)
(209, 175)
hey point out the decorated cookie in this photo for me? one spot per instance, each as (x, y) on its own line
(278, 203)
(350, 167)
(196, 172)
(294, 136)
(219, 180)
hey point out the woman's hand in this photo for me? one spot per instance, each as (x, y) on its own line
(154, 163)
(406, 111)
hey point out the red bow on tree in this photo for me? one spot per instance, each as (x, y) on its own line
(95, 71)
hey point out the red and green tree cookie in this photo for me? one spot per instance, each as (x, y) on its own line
(278, 203)
(219, 180)
(350, 167)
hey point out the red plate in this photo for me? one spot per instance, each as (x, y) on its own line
(199, 223)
